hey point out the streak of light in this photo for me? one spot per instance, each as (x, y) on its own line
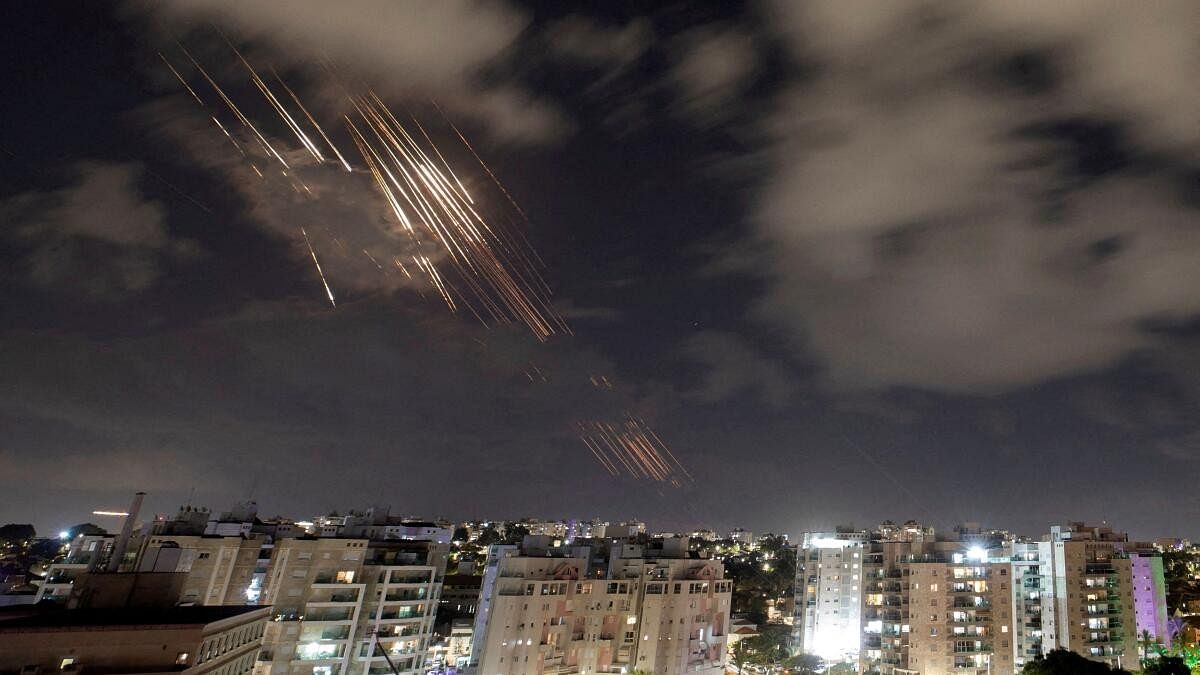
(632, 448)
(425, 195)
(287, 118)
(234, 108)
(372, 259)
(317, 263)
(109, 513)
(312, 121)
(178, 191)
(482, 163)
(181, 80)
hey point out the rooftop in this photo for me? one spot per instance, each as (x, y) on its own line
(39, 617)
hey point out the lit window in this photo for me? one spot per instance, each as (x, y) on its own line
(67, 662)
(181, 659)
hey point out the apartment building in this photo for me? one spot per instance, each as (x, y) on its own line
(1149, 595)
(934, 607)
(85, 553)
(601, 607)
(219, 570)
(190, 640)
(959, 613)
(828, 612)
(350, 606)
(971, 603)
(1087, 597)
(1027, 588)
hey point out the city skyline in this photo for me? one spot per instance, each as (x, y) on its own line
(804, 264)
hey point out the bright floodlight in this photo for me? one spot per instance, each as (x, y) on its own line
(977, 553)
(64, 535)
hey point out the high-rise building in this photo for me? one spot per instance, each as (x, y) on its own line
(1087, 593)
(935, 607)
(350, 606)
(1149, 596)
(828, 614)
(601, 607)
(1027, 588)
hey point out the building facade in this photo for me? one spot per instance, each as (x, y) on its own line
(601, 609)
(828, 608)
(86, 553)
(189, 640)
(344, 606)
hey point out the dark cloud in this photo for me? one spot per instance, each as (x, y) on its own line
(611, 49)
(734, 368)
(712, 67)
(300, 400)
(99, 237)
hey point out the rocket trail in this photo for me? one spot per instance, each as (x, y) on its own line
(465, 247)
(317, 263)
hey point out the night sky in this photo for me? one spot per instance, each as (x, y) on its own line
(852, 261)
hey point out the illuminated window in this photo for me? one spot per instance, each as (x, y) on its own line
(345, 577)
(67, 662)
(181, 659)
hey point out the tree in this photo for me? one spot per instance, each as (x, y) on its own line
(770, 647)
(17, 532)
(87, 529)
(742, 654)
(515, 533)
(805, 664)
(1166, 665)
(488, 535)
(1063, 662)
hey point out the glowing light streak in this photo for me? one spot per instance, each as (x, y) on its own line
(317, 263)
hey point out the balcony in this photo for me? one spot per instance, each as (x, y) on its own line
(331, 633)
(333, 579)
(328, 614)
(406, 595)
(406, 612)
(980, 648)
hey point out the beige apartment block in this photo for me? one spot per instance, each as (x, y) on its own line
(218, 569)
(547, 615)
(960, 617)
(186, 640)
(345, 606)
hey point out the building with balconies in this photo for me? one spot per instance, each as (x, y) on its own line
(934, 606)
(350, 606)
(1027, 589)
(1087, 596)
(828, 613)
(544, 614)
(85, 553)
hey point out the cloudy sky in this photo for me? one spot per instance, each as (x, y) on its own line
(850, 260)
